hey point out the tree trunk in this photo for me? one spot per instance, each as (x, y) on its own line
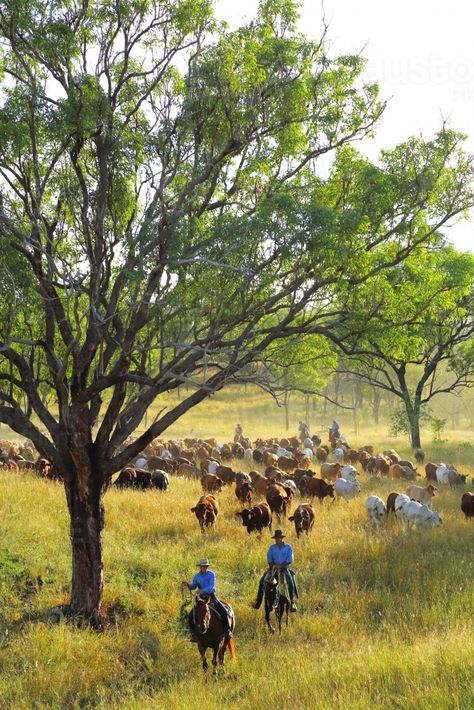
(376, 404)
(415, 434)
(84, 498)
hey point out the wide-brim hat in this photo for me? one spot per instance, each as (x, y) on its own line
(204, 562)
(278, 533)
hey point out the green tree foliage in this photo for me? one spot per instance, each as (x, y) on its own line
(420, 340)
(164, 216)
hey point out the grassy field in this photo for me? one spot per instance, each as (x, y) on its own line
(385, 618)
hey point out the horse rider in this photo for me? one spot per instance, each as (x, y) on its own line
(279, 556)
(334, 430)
(205, 581)
(303, 431)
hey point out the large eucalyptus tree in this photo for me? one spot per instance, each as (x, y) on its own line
(163, 219)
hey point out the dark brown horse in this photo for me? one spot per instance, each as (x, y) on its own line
(210, 632)
(275, 597)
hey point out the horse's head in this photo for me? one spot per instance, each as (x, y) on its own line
(202, 613)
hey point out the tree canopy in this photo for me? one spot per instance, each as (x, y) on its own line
(420, 340)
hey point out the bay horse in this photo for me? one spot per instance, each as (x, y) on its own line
(276, 599)
(210, 633)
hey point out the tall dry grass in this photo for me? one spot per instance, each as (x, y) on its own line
(384, 620)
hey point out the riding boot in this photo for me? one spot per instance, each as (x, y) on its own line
(257, 603)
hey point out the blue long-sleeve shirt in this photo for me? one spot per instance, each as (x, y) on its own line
(205, 582)
(280, 555)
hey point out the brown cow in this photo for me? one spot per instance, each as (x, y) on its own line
(270, 459)
(260, 483)
(126, 478)
(322, 454)
(382, 465)
(330, 470)
(277, 499)
(391, 501)
(430, 471)
(226, 474)
(206, 511)
(257, 518)
(303, 518)
(397, 471)
(188, 470)
(316, 488)
(243, 491)
(467, 504)
(211, 483)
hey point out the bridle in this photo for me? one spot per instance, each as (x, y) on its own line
(202, 624)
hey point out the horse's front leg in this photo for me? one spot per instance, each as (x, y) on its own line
(202, 651)
(214, 659)
(267, 619)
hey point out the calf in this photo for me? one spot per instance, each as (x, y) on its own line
(422, 495)
(257, 518)
(376, 510)
(206, 511)
(303, 518)
(467, 504)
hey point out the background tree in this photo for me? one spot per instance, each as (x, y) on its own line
(420, 342)
(159, 189)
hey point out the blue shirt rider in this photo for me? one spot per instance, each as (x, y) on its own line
(280, 556)
(205, 581)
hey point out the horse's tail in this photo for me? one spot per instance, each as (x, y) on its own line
(231, 647)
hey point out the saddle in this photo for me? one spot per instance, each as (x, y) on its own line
(230, 613)
(277, 578)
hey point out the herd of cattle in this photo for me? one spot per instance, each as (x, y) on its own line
(285, 469)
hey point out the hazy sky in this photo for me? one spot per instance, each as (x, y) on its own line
(421, 53)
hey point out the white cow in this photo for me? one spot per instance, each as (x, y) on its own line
(349, 472)
(346, 489)
(212, 467)
(290, 484)
(442, 474)
(400, 500)
(339, 452)
(141, 462)
(414, 513)
(376, 510)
